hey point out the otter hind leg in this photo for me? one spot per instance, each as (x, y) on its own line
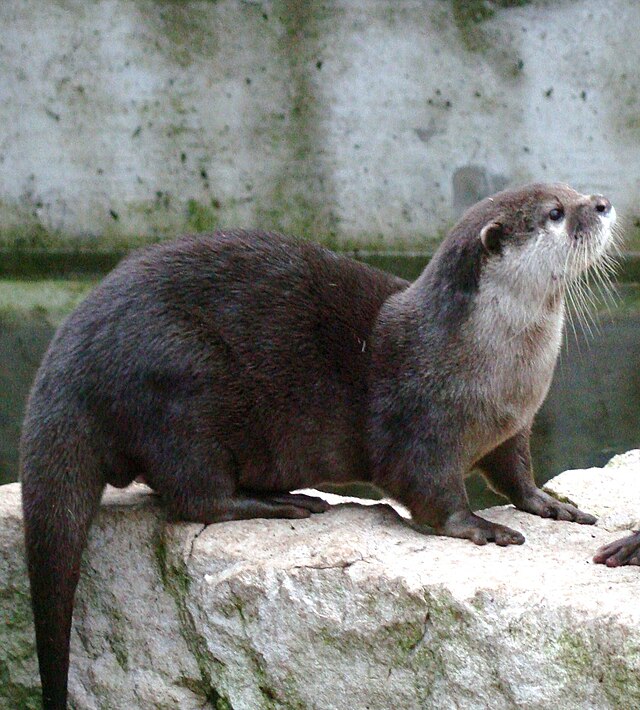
(313, 504)
(237, 507)
(198, 483)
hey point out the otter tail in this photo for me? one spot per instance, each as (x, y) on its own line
(61, 489)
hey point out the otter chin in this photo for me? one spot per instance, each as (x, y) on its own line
(229, 369)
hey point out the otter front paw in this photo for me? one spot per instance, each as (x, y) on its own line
(625, 551)
(472, 527)
(540, 503)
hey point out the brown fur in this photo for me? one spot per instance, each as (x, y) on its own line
(230, 369)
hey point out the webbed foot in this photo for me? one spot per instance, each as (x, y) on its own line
(472, 527)
(625, 551)
(540, 503)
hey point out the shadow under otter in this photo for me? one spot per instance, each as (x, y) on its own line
(233, 368)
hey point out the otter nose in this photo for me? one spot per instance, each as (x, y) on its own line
(601, 204)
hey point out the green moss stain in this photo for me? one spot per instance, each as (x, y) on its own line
(470, 13)
(271, 697)
(25, 240)
(21, 225)
(617, 674)
(29, 235)
(203, 217)
(441, 619)
(95, 597)
(203, 688)
(187, 30)
(19, 685)
(15, 695)
(299, 202)
(161, 216)
(219, 703)
(117, 638)
(574, 651)
(471, 16)
(292, 699)
(301, 198)
(633, 124)
(177, 582)
(560, 497)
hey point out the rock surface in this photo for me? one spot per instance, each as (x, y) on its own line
(349, 609)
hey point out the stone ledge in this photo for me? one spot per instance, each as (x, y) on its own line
(349, 609)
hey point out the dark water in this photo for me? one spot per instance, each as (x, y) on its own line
(23, 340)
(592, 411)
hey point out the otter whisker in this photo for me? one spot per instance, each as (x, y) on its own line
(604, 269)
(586, 303)
(603, 273)
(571, 309)
(586, 289)
(585, 323)
(582, 295)
(568, 309)
(590, 281)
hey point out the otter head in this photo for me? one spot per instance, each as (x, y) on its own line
(540, 238)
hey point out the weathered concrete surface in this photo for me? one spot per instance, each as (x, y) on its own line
(350, 609)
(371, 121)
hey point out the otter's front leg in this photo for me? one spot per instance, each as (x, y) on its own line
(434, 492)
(508, 470)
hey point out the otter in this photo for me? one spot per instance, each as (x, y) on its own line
(231, 369)
(623, 551)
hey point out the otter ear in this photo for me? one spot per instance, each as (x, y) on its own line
(491, 236)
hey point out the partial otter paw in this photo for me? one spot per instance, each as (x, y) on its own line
(480, 531)
(546, 506)
(625, 551)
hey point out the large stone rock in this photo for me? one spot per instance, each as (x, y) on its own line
(349, 609)
(591, 489)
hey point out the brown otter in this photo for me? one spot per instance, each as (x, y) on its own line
(233, 368)
(624, 551)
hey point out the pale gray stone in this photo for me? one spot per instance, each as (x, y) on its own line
(591, 489)
(349, 609)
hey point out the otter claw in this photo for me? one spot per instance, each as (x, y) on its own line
(544, 505)
(624, 551)
(480, 531)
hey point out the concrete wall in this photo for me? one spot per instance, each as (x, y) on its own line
(356, 121)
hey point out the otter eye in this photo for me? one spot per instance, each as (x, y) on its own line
(556, 214)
